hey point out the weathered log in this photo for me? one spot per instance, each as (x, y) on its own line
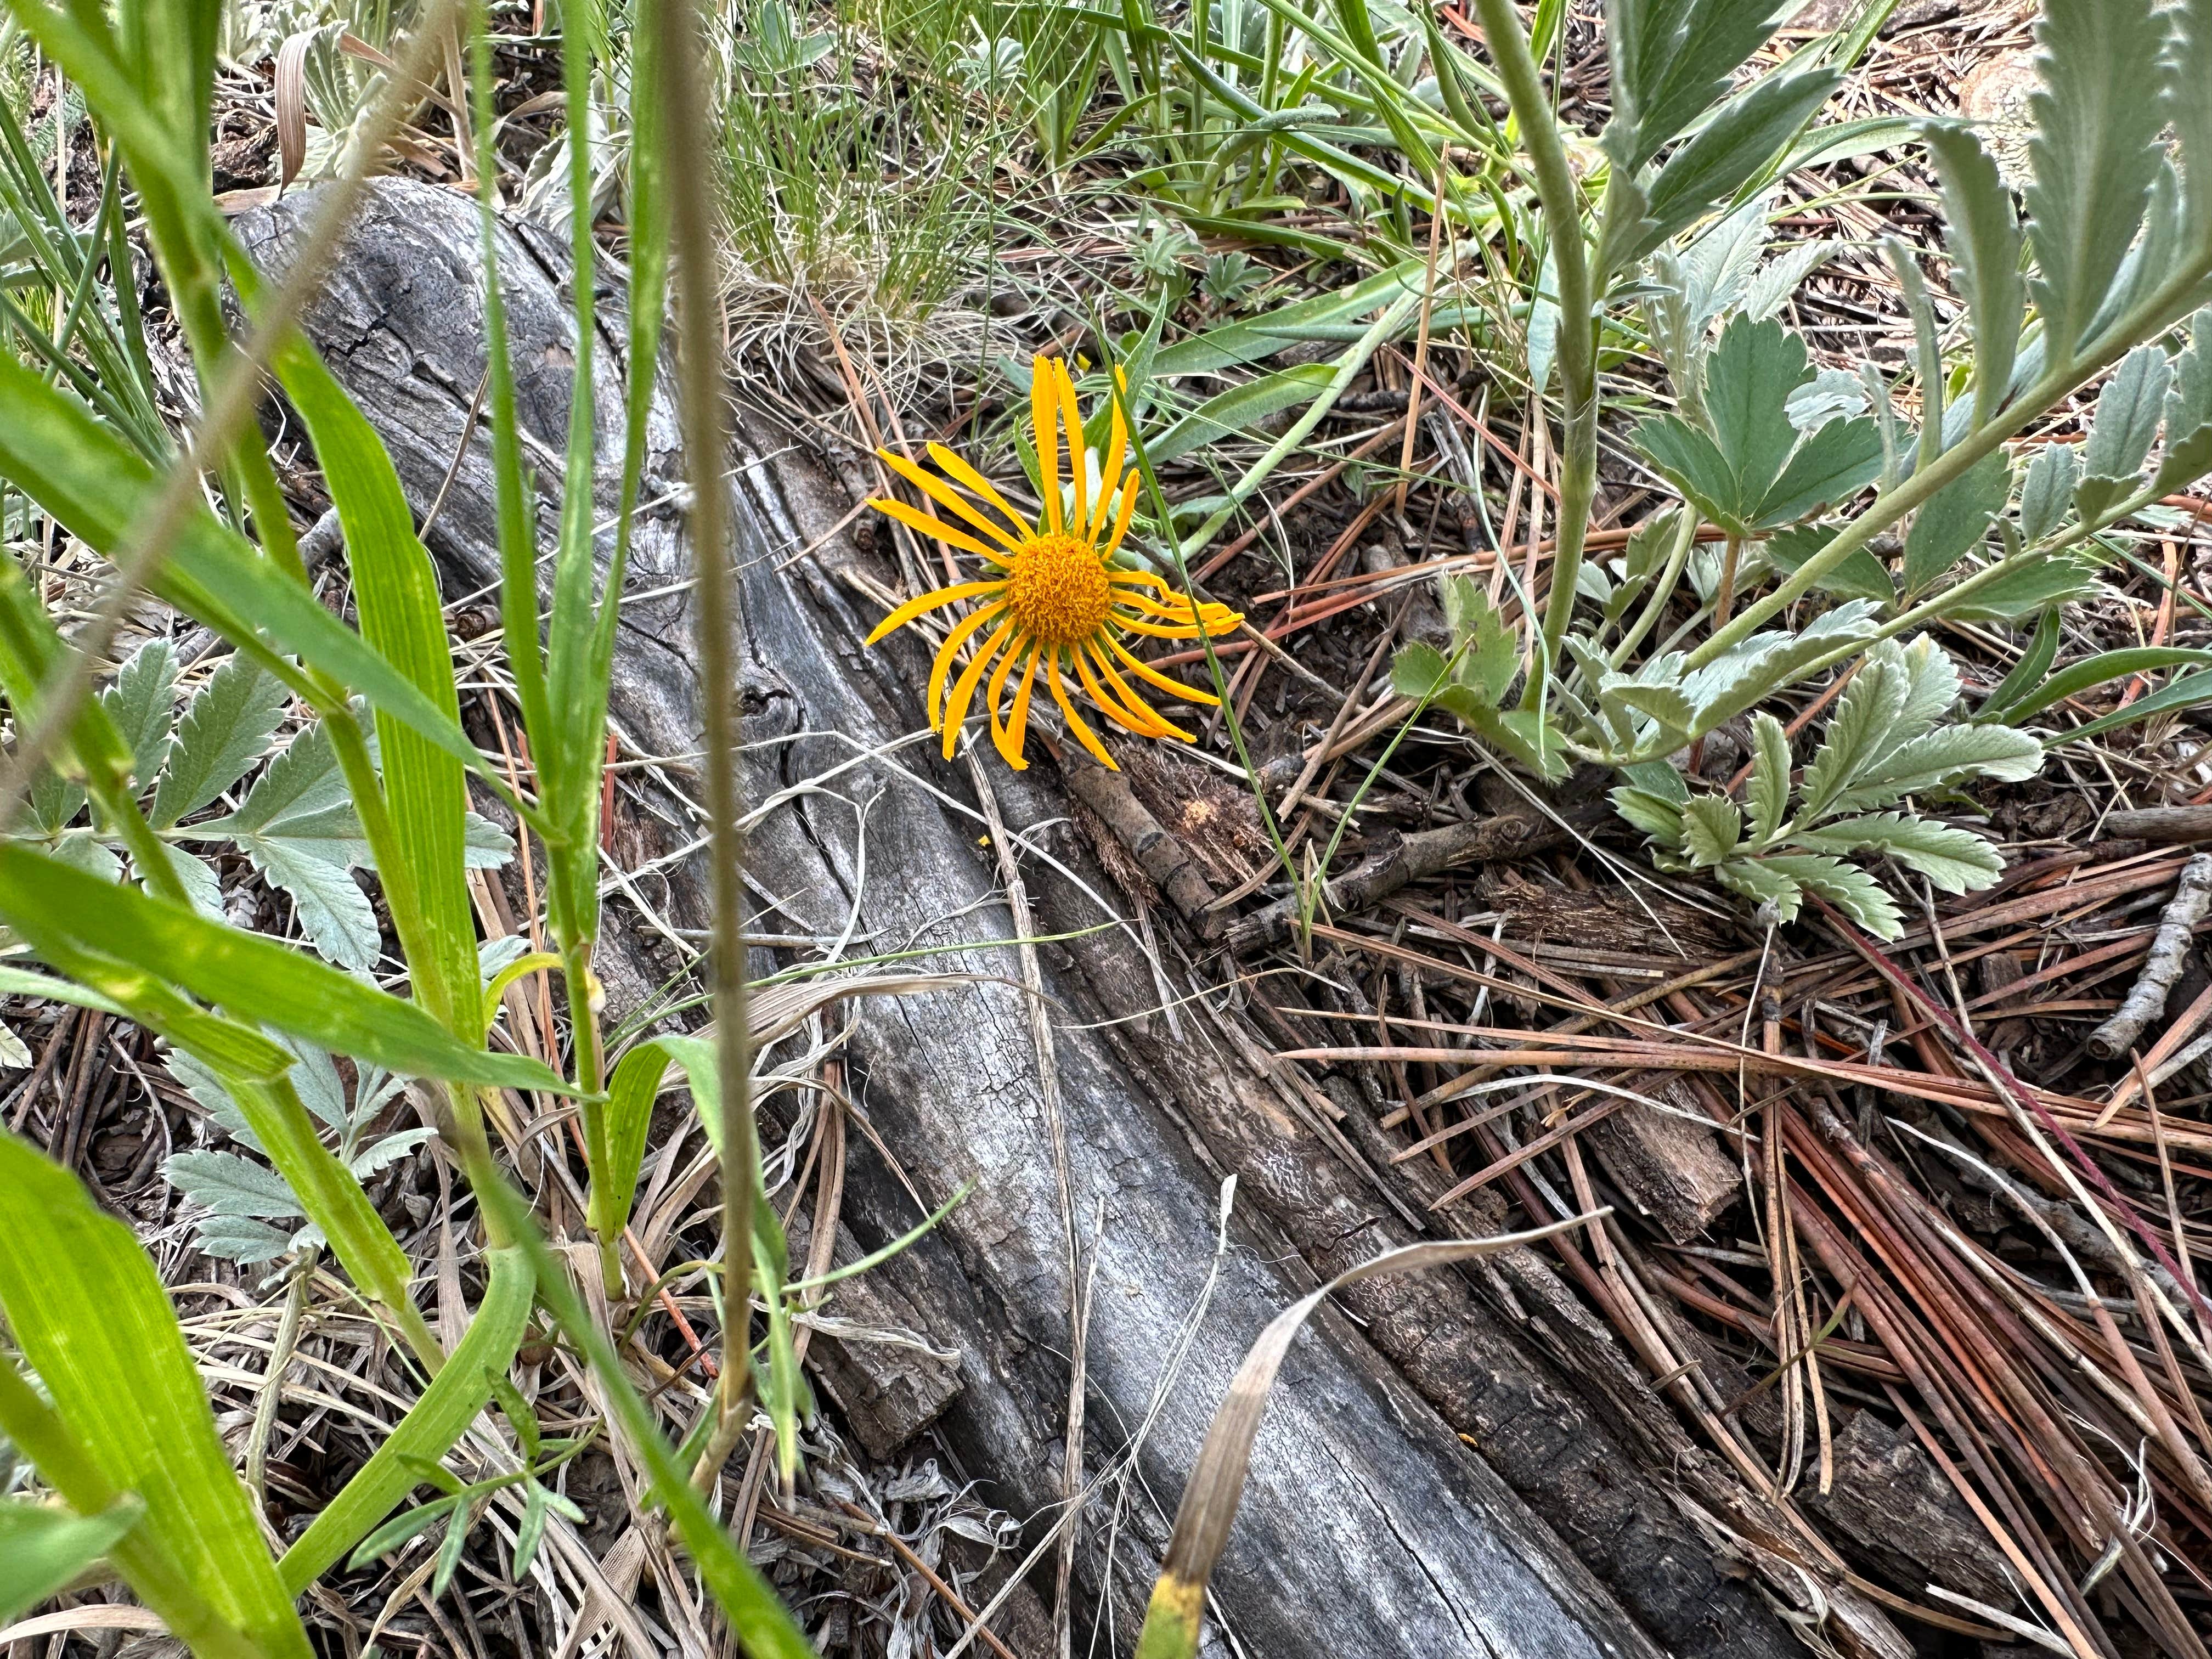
(1368, 1526)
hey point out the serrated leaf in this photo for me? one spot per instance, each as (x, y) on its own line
(227, 1184)
(1833, 464)
(1488, 656)
(2047, 496)
(52, 802)
(1746, 133)
(1955, 520)
(1757, 880)
(1693, 464)
(1858, 731)
(332, 910)
(2189, 402)
(1768, 791)
(389, 1151)
(1671, 60)
(303, 780)
(2129, 410)
(1753, 368)
(1943, 759)
(2094, 151)
(242, 1239)
(1664, 704)
(226, 728)
(1743, 678)
(1712, 826)
(1772, 284)
(484, 844)
(1957, 860)
(1860, 576)
(1851, 890)
(2186, 462)
(1656, 817)
(2028, 585)
(1418, 672)
(143, 704)
(1931, 688)
(201, 884)
(1983, 238)
(1833, 394)
(82, 853)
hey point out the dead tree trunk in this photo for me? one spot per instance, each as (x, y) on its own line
(1369, 1526)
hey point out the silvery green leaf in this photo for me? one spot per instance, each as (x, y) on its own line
(240, 1239)
(52, 801)
(1943, 759)
(1955, 520)
(1690, 461)
(2192, 115)
(1711, 828)
(1782, 276)
(389, 1151)
(1983, 239)
(1753, 369)
(207, 1090)
(1671, 61)
(1664, 704)
(302, 781)
(15, 1056)
(1830, 466)
(1931, 687)
(2184, 463)
(1769, 789)
(1957, 860)
(2094, 151)
(1755, 669)
(229, 1185)
(2188, 402)
(143, 704)
(2048, 495)
(226, 728)
(1859, 576)
(1851, 891)
(1716, 266)
(1833, 394)
(2029, 584)
(315, 1077)
(201, 884)
(1757, 880)
(333, 912)
(1744, 135)
(1859, 729)
(1656, 817)
(484, 844)
(2129, 410)
(82, 852)
(494, 955)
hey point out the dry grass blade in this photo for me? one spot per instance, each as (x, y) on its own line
(1210, 1498)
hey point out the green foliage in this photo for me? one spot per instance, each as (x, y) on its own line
(1887, 741)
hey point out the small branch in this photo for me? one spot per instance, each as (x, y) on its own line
(2168, 950)
(1164, 858)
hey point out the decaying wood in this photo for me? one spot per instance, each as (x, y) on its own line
(1159, 854)
(1508, 835)
(2162, 826)
(2169, 950)
(1667, 1163)
(1368, 1526)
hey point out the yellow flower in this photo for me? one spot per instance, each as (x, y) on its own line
(1053, 595)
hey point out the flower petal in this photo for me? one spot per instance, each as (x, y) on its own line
(968, 478)
(953, 641)
(935, 526)
(1017, 726)
(1152, 675)
(993, 691)
(929, 602)
(945, 495)
(1133, 711)
(1044, 424)
(1079, 461)
(963, 689)
(1083, 734)
(1121, 519)
(1109, 463)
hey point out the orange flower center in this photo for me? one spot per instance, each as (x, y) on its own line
(1058, 593)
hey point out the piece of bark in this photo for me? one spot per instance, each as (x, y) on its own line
(1166, 864)
(2169, 950)
(886, 1381)
(2162, 826)
(1509, 835)
(1903, 1518)
(1668, 1164)
(1366, 1526)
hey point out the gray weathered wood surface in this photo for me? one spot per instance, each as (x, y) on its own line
(1369, 1527)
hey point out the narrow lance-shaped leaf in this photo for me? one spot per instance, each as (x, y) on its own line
(1983, 237)
(91, 1316)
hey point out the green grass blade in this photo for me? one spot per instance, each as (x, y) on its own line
(43, 1547)
(756, 1618)
(92, 1318)
(396, 589)
(429, 1430)
(56, 906)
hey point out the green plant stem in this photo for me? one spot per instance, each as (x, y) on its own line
(1685, 539)
(2152, 316)
(700, 381)
(1576, 351)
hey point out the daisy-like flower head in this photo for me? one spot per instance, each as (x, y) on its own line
(1053, 599)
